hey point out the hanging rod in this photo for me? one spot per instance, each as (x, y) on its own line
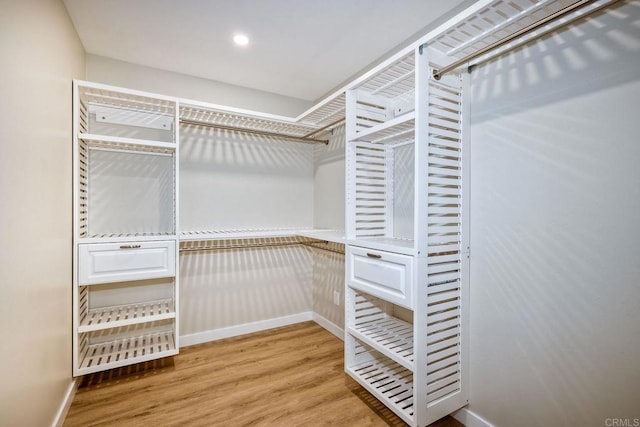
(255, 132)
(324, 248)
(330, 125)
(260, 245)
(437, 74)
(247, 246)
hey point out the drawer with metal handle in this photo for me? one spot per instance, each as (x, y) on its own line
(382, 274)
(120, 262)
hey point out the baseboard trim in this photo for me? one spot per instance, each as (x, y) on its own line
(329, 325)
(247, 328)
(470, 418)
(61, 415)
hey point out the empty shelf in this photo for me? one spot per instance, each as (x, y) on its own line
(124, 315)
(390, 336)
(395, 130)
(389, 382)
(114, 354)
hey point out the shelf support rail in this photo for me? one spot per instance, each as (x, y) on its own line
(437, 74)
(256, 132)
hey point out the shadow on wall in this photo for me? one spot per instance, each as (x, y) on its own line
(230, 180)
(225, 288)
(335, 150)
(601, 48)
(328, 284)
(207, 148)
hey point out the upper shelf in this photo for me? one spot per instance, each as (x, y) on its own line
(398, 129)
(113, 142)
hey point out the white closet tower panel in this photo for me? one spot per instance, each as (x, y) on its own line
(407, 234)
(125, 290)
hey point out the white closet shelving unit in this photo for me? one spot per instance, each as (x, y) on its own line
(406, 272)
(125, 290)
(407, 166)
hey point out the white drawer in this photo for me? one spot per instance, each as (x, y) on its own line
(382, 274)
(120, 262)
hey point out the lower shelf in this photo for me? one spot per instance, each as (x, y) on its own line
(122, 315)
(389, 382)
(118, 353)
(390, 336)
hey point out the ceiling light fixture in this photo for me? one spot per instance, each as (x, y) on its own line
(241, 39)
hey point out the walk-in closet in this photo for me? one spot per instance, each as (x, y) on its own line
(443, 234)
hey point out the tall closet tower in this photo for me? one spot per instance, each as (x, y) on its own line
(407, 233)
(125, 282)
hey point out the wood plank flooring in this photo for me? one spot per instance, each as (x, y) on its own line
(289, 376)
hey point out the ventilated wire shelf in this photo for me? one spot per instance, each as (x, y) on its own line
(117, 353)
(123, 315)
(188, 236)
(387, 334)
(331, 112)
(205, 116)
(389, 381)
(394, 131)
(396, 80)
(127, 144)
(258, 242)
(125, 99)
(493, 23)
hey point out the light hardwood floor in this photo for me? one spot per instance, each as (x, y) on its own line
(289, 376)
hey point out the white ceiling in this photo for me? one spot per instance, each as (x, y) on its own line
(299, 48)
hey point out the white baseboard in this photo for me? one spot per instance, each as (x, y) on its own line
(247, 328)
(329, 326)
(58, 421)
(470, 418)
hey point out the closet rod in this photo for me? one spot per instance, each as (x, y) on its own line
(247, 246)
(258, 245)
(255, 132)
(315, 245)
(330, 125)
(437, 74)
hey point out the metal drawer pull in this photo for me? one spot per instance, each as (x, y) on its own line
(376, 256)
(130, 246)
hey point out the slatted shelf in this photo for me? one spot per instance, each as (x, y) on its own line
(244, 120)
(390, 336)
(245, 233)
(396, 130)
(91, 93)
(389, 382)
(389, 244)
(125, 237)
(129, 144)
(124, 315)
(118, 353)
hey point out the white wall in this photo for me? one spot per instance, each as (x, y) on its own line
(232, 181)
(128, 75)
(555, 226)
(328, 182)
(231, 288)
(40, 54)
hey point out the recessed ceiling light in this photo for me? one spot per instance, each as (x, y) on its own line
(241, 39)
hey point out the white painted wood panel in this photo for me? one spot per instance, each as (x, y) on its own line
(117, 262)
